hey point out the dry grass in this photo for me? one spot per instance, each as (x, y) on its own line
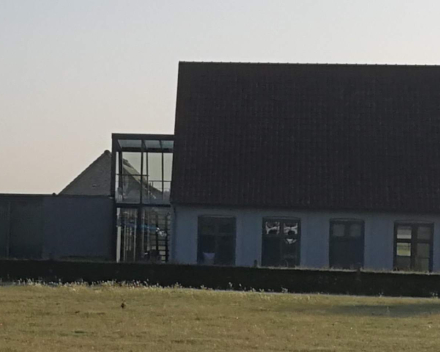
(80, 318)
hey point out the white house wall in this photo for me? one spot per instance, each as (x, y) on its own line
(379, 235)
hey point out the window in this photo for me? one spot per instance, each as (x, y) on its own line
(281, 242)
(413, 246)
(216, 241)
(346, 244)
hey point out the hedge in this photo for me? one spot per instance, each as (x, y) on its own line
(216, 277)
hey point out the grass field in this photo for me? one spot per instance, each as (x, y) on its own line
(80, 318)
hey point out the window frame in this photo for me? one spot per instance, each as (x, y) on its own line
(282, 220)
(413, 241)
(334, 240)
(217, 235)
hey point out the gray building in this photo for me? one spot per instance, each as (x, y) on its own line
(80, 223)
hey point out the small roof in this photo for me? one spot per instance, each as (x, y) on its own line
(308, 136)
(94, 180)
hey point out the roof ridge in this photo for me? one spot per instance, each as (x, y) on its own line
(308, 64)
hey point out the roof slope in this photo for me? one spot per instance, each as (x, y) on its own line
(94, 180)
(361, 137)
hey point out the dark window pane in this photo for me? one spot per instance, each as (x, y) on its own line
(347, 254)
(225, 254)
(226, 226)
(423, 250)
(421, 264)
(424, 233)
(338, 255)
(216, 241)
(403, 263)
(126, 143)
(355, 230)
(404, 232)
(207, 227)
(346, 245)
(271, 251)
(152, 144)
(206, 251)
(289, 251)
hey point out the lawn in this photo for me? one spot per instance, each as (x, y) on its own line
(81, 318)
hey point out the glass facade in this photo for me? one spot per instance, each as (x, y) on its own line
(141, 186)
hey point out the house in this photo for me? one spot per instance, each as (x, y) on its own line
(307, 165)
(275, 165)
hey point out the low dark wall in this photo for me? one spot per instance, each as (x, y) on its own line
(55, 227)
(238, 278)
(21, 226)
(77, 227)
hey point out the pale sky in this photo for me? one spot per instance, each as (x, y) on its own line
(73, 72)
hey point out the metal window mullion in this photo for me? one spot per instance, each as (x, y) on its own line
(147, 170)
(157, 234)
(413, 246)
(280, 241)
(162, 171)
(166, 238)
(8, 229)
(216, 236)
(139, 238)
(431, 249)
(124, 236)
(121, 174)
(142, 174)
(113, 170)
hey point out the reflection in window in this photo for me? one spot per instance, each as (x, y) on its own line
(281, 242)
(346, 244)
(155, 231)
(143, 171)
(127, 233)
(216, 240)
(413, 247)
(157, 171)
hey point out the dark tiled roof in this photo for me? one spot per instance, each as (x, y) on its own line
(360, 137)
